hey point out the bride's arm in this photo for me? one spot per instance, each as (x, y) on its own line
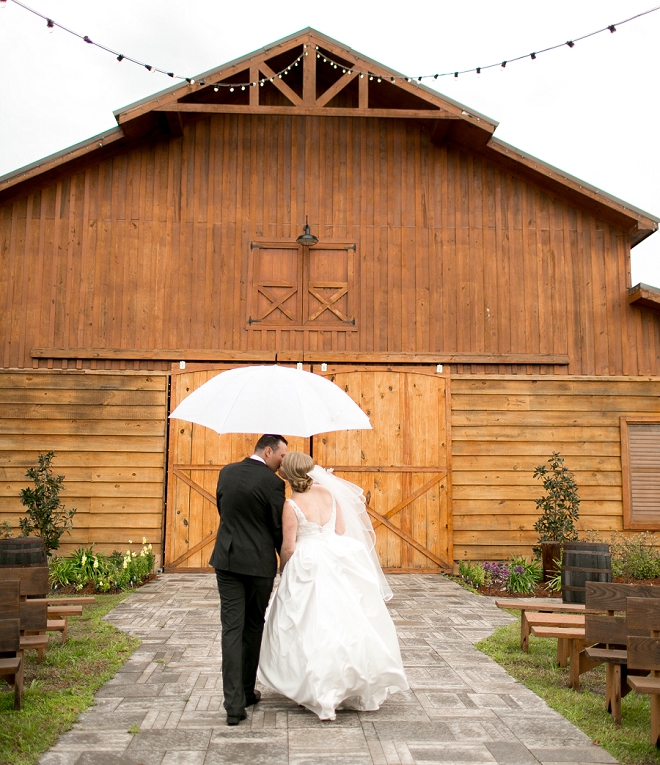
(340, 523)
(289, 529)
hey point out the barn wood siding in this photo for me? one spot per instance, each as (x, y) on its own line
(150, 249)
(108, 435)
(502, 428)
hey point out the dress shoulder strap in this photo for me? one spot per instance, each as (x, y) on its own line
(299, 513)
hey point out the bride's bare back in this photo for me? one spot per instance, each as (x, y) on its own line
(315, 504)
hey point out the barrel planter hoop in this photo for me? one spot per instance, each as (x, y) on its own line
(22, 551)
(583, 562)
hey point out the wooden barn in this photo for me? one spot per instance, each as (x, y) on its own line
(475, 301)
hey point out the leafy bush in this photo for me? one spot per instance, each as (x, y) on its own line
(496, 573)
(5, 530)
(116, 571)
(473, 575)
(559, 506)
(523, 575)
(554, 582)
(46, 514)
(634, 556)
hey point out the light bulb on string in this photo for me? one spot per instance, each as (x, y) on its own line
(120, 57)
(3, 4)
(50, 25)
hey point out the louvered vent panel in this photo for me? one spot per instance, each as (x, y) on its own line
(644, 445)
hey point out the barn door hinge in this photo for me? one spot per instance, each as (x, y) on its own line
(350, 321)
(253, 321)
(255, 246)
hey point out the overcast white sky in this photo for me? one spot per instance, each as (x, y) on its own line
(591, 110)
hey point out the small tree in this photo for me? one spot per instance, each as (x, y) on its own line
(559, 506)
(46, 513)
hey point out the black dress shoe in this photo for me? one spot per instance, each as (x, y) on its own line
(255, 698)
(235, 719)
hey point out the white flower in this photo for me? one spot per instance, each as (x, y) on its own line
(134, 555)
(96, 562)
(130, 541)
(144, 540)
(83, 560)
(125, 565)
(150, 547)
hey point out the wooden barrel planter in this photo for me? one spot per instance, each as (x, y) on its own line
(583, 562)
(22, 551)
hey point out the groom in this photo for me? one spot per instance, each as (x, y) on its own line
(250, 499)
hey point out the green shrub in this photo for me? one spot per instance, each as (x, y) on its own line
(559, 506)
(474, 575)
(634, 556)
(554, 583)
(523, 575)
(46, 514)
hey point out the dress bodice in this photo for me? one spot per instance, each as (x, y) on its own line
(308, 528)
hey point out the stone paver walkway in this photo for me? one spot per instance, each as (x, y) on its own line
(462, 707)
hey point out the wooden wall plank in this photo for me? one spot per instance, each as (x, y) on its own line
(496, 447)
(114, 468)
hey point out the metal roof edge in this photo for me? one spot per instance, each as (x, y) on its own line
(115, 131)
(563, 175)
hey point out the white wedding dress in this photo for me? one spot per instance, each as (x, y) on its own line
(329, 641)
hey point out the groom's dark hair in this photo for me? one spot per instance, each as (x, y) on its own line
(271, 440)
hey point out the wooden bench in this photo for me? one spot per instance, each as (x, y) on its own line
(11, 663)
(644, 654)
(608, 635)
(573, 642)
(536, 605)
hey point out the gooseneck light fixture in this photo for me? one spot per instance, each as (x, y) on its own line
(307, 239)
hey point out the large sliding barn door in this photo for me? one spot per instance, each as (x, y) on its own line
(196, 455)
(402, 464)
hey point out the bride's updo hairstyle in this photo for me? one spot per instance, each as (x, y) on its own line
(295, 467)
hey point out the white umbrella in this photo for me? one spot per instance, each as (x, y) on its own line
(271, 399)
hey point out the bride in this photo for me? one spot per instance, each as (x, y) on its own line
(329, 641)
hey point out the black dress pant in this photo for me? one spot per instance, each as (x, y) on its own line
(243, 601)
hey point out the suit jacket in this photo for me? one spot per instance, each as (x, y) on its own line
(250, 499)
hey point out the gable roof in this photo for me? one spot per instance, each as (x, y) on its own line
(311, 74)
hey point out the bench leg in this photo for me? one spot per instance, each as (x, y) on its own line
(562, 652)
(524, 632)
(18, 685)
(655, 720)
(613, 688)
(574, 669)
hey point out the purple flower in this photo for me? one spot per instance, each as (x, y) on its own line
(519, 569)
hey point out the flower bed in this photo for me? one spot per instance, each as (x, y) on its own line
(88, 571)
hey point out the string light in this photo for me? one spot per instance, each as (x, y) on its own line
(51, 24)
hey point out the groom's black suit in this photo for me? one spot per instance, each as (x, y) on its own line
(250, 499)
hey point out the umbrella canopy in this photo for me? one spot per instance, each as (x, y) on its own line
(271, 399)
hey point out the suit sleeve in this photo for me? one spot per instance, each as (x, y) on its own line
(276, 506)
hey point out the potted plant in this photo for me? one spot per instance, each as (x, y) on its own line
(46, 515)
(559, 511)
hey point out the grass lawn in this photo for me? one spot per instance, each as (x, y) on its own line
(538, 670)
(63, 685)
